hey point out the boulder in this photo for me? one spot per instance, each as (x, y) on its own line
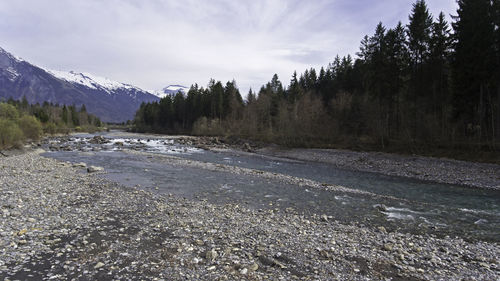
(98, 140)
(80, 165)
(247, 147)
(94, 169)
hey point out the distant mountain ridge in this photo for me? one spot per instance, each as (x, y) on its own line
(109, 100)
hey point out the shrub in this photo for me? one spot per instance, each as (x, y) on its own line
(50, 128)
(31, 127)
(8, 111)
(10, 133)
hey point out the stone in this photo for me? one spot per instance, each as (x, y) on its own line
(80, 165)
(253, 267)
(98, 265)
(381, 207)
(98, 140)
(247, 147)
(482, 264)
(388, 247)
(211, 255)
(94, 169)
(382, 229)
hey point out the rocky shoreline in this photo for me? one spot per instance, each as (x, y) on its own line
(59, 222)
(441, 170)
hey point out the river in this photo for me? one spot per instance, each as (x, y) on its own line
(398, 204)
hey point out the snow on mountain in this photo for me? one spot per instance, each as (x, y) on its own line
(170, 90)
(12, 73)
(8, 62)
(176, 88)
(10, 56)
(91, 81)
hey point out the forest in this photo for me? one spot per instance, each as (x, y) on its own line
(423, 87)
(21, 121)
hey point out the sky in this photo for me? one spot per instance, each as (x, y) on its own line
(155, 43)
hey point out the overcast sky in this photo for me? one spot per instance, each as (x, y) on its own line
(154, 43)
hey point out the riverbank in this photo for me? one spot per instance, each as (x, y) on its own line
(442, 170)
(60, 222)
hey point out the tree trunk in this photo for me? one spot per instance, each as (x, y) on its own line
(498, 114)
(481, 111)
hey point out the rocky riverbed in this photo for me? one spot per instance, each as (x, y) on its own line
(60, 222)
(441, 170)
(449, 171)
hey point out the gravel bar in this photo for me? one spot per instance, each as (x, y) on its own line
(58, 222)
(442, 170)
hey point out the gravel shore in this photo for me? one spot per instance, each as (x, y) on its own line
(59, 222)
(442, 170)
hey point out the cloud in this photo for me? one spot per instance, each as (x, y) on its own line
(151, 43)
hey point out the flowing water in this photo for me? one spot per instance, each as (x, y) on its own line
(396, 203)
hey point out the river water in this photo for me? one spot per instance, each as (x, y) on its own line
(393, 202)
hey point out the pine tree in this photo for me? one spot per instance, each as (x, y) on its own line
(496, 19)
(294, 90)
(250, 97)
(64, 115)
(440, 50)
(473, 66)
(397, 56)
(419, 33)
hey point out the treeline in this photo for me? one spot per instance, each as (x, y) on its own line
(177, 114)
(20, 121)
(413, 86)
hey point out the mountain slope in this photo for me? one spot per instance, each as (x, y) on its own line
(111, 101)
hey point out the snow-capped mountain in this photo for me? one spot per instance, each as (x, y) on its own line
(110, 100)
(91, 81)
(171, 90)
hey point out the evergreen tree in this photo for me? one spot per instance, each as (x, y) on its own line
(473, 65)
(64, 115)
(496, 78)
(440, 49)
(250, 97)
(276, 86)
(294, 90)
(419, 33)
(74, 115)
(397, 56)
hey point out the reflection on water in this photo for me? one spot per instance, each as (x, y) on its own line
(414, 206)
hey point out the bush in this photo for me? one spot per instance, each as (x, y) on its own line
(207, 127)
(50, 128)
(31, 127)
(8, 111)
(10, 133)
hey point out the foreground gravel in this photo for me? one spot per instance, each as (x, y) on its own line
(58, 222)
(477, 175)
